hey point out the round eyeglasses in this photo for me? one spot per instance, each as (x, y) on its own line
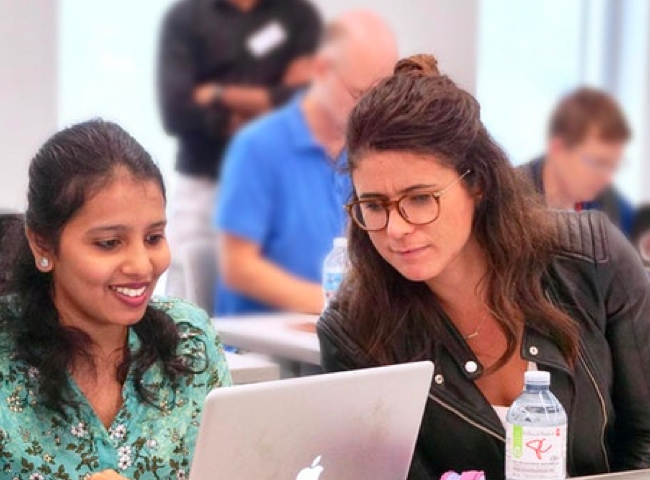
(417, 208)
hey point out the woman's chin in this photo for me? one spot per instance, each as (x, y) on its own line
(416, 274)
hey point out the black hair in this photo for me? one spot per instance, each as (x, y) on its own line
(68, 169)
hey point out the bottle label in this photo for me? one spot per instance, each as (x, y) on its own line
(331, 283)
(536, 453)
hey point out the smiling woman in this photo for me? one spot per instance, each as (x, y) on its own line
(110, 254)
(96, 373)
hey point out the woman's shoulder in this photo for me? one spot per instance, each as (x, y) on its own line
(592, 250)
(13, 372)
(199, 341)
(331, 324)
(586, 235)
(339, 350)
(8, 318)
(183, 313)
(7, 351)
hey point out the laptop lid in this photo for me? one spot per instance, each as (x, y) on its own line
(350, 425)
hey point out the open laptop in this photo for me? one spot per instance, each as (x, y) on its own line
(353, 425)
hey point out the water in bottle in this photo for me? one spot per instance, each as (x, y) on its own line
(334, 268)
(536, 432)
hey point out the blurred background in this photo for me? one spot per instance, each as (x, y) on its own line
(67, 60)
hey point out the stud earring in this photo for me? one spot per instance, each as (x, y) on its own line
(45, 262)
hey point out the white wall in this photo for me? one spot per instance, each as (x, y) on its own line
(645, 152)
(446, 28)
(28, 90)
(629, 81)
(29, 76)
(107, 68)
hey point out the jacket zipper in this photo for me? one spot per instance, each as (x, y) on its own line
(446, 406)
(603, 408)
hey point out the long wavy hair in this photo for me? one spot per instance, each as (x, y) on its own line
(68, 169)
(420, 111)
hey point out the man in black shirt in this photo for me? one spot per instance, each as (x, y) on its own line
(221, 63)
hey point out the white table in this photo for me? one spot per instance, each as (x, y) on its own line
(281, 336)
(251, 368)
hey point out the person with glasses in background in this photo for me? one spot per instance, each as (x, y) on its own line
(282, 194)
(587, 135)
(454, 259)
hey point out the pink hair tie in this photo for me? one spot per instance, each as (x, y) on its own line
(468, 475)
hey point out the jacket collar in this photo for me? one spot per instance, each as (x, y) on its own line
(540, 349)
(535, 347)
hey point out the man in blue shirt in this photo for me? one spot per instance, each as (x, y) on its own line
(283, 191)
(221, 64)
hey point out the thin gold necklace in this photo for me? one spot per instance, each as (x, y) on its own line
(477, 331)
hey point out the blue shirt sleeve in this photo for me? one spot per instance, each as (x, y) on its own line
(627, 214)
(244, 200)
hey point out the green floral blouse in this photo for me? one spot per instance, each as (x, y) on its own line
(143, 443)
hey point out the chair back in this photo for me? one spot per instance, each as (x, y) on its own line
(199, 260)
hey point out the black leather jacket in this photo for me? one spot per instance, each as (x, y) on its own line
(595, 276)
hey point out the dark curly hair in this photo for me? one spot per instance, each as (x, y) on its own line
(418, 110)
(67, 170)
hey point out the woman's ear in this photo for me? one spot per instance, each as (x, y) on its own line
(43, 255)
(476, 192)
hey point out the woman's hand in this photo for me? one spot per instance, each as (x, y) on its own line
(107, 475)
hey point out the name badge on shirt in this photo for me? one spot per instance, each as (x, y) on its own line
(266, 39)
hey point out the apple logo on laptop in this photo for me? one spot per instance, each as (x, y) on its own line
(313, 472)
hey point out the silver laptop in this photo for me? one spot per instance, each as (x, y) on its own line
(353, 425)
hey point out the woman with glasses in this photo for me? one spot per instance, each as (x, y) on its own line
(454, 260)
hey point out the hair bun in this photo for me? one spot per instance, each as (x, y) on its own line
(421, 65)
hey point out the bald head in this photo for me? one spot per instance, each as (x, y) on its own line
(358, 50)
(361, 45)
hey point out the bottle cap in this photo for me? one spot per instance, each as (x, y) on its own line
(341, 242)
(537, 378)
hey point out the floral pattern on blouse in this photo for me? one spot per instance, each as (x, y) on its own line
(144, 442)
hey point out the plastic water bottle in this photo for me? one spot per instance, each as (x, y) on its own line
(334, 267)
(536, 432)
